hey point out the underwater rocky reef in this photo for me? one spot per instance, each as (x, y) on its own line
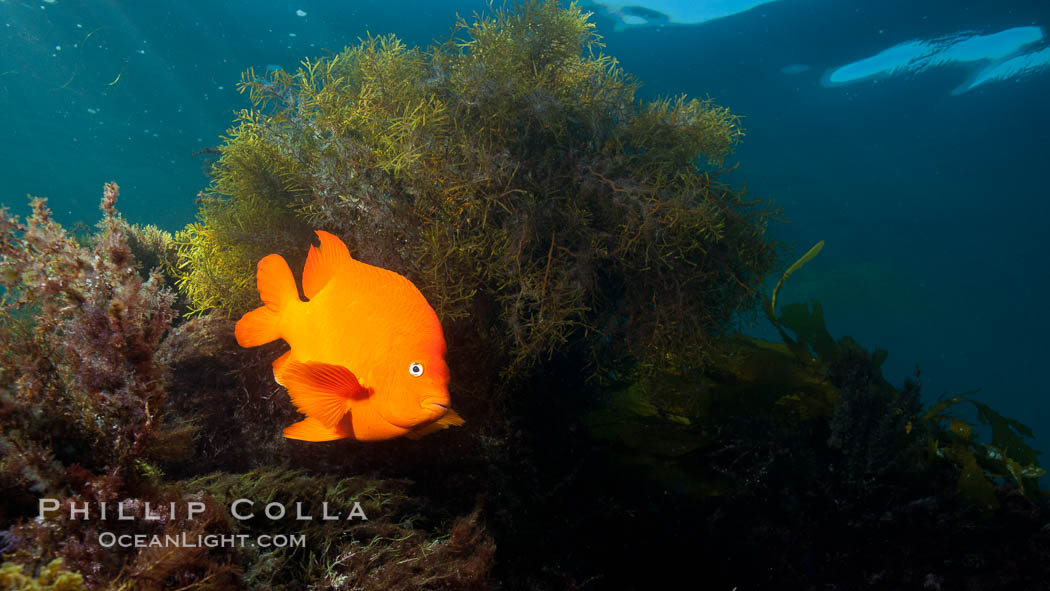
(591, 273)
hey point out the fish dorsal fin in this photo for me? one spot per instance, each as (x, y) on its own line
(323, 263)
(321, 390)
(333, 259)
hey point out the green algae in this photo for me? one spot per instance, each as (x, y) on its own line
(51, 578)
(384, 546)
(810, 382)
(512, 174)
(548, 214)
(1007, 457)
(812, 252)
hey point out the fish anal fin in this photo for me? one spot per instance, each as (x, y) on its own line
(258, 327)
(311, 429)
(321, 390)
(323, 263)
(278, 366)
(450, 419)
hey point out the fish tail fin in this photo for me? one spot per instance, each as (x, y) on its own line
(277, 290)
(275, 282)
(449, 419)
(257, 327)
(311, 429)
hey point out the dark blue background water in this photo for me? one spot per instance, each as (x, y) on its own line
(934, 207)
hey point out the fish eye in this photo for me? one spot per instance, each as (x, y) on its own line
(416, 369)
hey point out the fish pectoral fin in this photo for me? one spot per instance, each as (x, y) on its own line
(450, 419)
(321, 391)
(311, 429)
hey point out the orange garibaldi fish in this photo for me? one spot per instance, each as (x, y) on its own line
(367, 358)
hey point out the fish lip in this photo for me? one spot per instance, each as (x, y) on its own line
(443, 407)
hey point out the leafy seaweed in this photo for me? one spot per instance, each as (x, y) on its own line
(513, 175)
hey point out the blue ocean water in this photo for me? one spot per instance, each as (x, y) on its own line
(933, 205)
(931, 195)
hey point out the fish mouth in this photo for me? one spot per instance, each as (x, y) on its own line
(443, 407)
